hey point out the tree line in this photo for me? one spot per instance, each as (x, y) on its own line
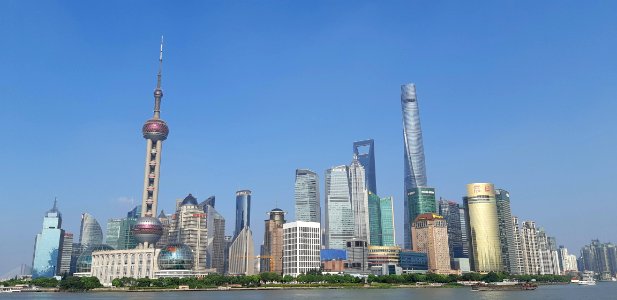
(70, 283)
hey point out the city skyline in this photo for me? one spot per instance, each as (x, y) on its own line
(115, 115)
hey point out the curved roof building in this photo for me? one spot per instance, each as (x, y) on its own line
(90, 232)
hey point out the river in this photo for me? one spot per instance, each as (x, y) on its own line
(603, 290)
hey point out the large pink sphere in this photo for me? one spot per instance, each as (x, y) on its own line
(155, 129)
(148, 229)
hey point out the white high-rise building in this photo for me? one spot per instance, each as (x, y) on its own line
(339, 214)
(307, 196)
(359, 200)
(518, 244)
(301, 247)
(529, 247)
(189, 227)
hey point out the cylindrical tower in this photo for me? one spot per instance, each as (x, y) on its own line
(149, 229)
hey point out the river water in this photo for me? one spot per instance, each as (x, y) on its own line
(603, 290)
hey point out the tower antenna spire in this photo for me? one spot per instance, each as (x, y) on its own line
(158, 79)
(158, 92)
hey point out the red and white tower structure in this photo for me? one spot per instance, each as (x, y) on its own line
(149, 229)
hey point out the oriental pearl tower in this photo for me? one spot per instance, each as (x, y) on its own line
(149, 229)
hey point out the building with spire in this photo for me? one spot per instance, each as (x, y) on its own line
(48, 245)
(418, 197)
(306, 193)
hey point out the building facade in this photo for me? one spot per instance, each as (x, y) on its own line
(216, 249)
(430, 235)
(357, 255)
(306, 192)
(243, 210)
(415, 170)
(359, 200)
(365, 151)
(420, 200)
(112, 238)
(339, 214)
(483, 228)
(242, 254)
(380, 255)
(65, 254)
(301, 247)
(48, 246)
(450, 211)
(272, 250)
(189, 226)
(506, 232)
(90, 232)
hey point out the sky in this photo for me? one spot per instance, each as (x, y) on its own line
(522, 94)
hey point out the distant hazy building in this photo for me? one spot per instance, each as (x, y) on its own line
(48, 245)
(506, 232)
(357, 255)
(216, 239)
(65, 255)
(567, 262)
(450, 211)
(359, 200)
(188, 227)
(90, 232)
(272, 250)
(112, 237)
(242, 254)
(483, 230)
(339, 214)
(415, 170)
(429, 233)
(306, 192)
(381, 220)
(365, 151)
(243, 210)
(302, 245)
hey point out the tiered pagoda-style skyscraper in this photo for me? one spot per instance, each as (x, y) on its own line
(149, 229)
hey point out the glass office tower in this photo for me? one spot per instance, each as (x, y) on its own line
(506, 232)
(339, 215)
(306, 192)
(243, 210)
(365, 151)
(48, 245)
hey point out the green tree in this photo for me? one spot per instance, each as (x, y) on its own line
(72, 283)
(91, 282)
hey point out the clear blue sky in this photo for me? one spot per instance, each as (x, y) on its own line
(518, 93)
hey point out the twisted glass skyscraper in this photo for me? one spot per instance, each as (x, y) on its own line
(418, 198)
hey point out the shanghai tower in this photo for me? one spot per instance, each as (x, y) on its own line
(418, 198)
(149, 229)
